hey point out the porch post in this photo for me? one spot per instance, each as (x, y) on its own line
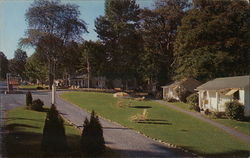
(217, 100)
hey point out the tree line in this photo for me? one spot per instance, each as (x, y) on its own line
(174, 39)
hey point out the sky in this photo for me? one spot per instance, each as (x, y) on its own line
(13, 24)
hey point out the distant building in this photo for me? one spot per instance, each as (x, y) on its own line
(81, 81)
(215, 93)
(171, 91)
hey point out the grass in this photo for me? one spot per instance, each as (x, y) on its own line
(163, 123)
(32, 86)
(241, 126)
(25, 134)
(180, 105)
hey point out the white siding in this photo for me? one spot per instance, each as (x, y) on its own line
(212, 100)
(222, 100)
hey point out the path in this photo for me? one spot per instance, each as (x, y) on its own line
(239, 135)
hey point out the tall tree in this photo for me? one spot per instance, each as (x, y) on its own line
(158, 28)
(3, 65)
(117, 30)
(17, 64)
(51, 25)
(35, 69)
(213, 40)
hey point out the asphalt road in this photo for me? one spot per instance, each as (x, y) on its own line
(126, 142)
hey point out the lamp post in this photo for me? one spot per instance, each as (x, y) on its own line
(53, 92)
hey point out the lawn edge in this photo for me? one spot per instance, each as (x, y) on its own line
(158, 140)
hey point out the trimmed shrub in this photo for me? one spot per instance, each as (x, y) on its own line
(37, 105)
(234, 110)
(28, 99)
(54, 138)
(92, 140)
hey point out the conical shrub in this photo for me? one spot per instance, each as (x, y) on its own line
(54, 138)
(92, 140)
(28, 99)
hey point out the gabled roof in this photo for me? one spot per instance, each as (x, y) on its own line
(188, 83)
(227, 82)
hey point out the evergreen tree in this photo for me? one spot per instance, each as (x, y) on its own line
(3, 65)
(54, 138)
(92, 140)
(28, 99)
(118, 31)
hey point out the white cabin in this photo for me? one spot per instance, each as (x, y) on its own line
(215, 93)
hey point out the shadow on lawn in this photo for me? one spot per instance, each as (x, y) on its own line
(154, 121)
(229, 154)
(26, 144)
(141, 107)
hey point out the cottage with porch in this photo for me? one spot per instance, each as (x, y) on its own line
(187, 84)
(215, 93)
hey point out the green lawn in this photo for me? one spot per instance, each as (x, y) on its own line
(25, 135)
(163, 123)
(32, 86)
(180, 105)
(241, 126)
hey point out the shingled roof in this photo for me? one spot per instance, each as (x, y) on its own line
(188, 83)
(227, 82)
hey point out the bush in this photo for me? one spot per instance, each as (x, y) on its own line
(171, 100)
(218, 114)
(28, 99)
(194, 107)
(92, 140)
(37, 105)
(183, 94)
(234, 110)
(193, 99)
(54, 138)
(39, 88)
(207, 112)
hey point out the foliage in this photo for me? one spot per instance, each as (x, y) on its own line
(234, 110)
(54, 139)
(194, 107)
(193, 99)
(117, 30)
(182, 94)
(37, 105)
(17, 64)
(28, 99)
(217, 114)
(171, 100)
(92, 58)
(92, 140)
(51, 26)
(209, 43)
(3, 65)
(158, 28)
(35, 69)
